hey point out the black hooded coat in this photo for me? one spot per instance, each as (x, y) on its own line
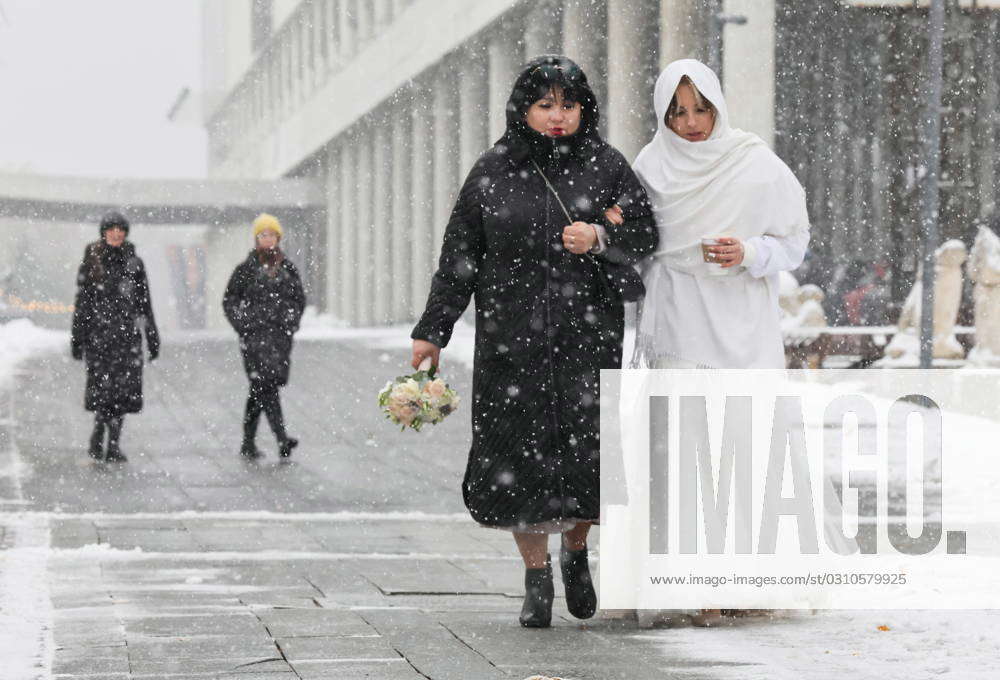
(265, 307)
(112, 311)
(546, 322)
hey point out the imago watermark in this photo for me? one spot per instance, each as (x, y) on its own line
(800, 489)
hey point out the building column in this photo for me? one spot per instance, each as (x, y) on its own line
(333, 262)
(347, 258)
(505, 58)
(317, 31)
(331, 36)
(543, 28)
(364, 14)
(748, 62)
(346, 30)
(632, 63)
(402, 200)
(365, 271)
(307, 55)
(585, 42)
(446, 165)
(422, 192)
(383, 11)
(473, 91)
(683, 30)
(381, 216)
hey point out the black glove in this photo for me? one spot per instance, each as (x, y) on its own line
(77, 352)
(154, 352)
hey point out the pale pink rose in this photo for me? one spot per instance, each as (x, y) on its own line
(435, 389)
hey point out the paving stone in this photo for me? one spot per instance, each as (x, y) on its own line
(327, 648)
(316, 622)
(169, 667)
(351, 670)
(231, 624)
(430, 576)
(149, 539)
(106, 660)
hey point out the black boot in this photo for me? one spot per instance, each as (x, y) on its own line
(581, 600)
(271, 402)
(248, 449)
(536, 612)
(286, 446)
(114, 435)
(96, 449)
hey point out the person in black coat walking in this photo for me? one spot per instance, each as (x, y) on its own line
(548, 318)
(264, 302)
(112, 311)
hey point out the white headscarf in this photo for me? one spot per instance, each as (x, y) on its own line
(731, 184)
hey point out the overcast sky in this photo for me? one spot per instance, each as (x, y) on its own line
(86, 86)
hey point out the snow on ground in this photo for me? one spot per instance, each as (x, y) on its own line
(21, 339)
(26, 643)
(831, 645)
(395, 338)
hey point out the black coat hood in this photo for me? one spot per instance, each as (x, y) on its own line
(537, 79)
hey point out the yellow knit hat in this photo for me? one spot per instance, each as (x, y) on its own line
(264, 222)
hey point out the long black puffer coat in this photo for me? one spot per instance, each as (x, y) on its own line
(545, 324)
(112, 311)
(264, 306)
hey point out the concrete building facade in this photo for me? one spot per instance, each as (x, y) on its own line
(387, 104)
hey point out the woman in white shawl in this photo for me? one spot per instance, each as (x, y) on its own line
(707, 180)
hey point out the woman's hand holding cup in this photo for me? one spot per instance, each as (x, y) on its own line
(724, 251)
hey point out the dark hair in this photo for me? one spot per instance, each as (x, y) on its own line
(701, 99)
(538, 78)
(541, 76)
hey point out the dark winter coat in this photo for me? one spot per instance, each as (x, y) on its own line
(545, 324)
(113, 310)
(264, 306)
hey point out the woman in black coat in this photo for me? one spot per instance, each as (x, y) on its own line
(112, 311)
(547, 319)
(264, 302)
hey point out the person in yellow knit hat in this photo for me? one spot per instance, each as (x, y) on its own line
(264, 302)
(265, 222)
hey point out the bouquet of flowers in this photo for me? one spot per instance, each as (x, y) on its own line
(414, 400)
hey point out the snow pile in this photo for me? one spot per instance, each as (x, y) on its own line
(21, 339)
(984, 269)
(26, 644)
(802, 311)
(832, 645)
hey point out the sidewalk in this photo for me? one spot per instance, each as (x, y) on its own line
(356, 560)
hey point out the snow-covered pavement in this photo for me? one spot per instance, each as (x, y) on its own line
(354, 561)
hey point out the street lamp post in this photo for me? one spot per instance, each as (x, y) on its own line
(717, 21)
(932, 139)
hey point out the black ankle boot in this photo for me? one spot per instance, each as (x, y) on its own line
(581, 600)
(114, 436)
(536, 612)
(285, 450)
(249, 450)
(96, 449)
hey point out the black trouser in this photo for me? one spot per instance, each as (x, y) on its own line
(114, 424)
(263, 397)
